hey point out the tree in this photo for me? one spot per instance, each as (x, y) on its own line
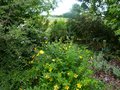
(109, 11)
(75, 11)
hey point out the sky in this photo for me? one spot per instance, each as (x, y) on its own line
(63, 7)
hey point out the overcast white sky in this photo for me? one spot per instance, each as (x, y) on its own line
(64, 6)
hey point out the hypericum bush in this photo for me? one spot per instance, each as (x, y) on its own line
(56, 66)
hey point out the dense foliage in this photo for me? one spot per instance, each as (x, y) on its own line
(55, 66)
(39, 52)
(109, 10)
(21, 29)
(102, 21)
(58, 30)
(94, 34)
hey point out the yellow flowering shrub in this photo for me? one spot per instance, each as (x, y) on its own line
(58, 68)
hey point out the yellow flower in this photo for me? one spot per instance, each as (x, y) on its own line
(80, 57)
(41, 52)
(79, 85)
(67, 87)
(91, 58)
(53, 60)
(75, 75)
(56, 87)
(68, 73)
(69, 46)
(47, 76)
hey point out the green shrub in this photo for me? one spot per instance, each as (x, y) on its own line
(58, 30)
(56, 66)
(20, 31)
(17, 45)
(91, 30)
